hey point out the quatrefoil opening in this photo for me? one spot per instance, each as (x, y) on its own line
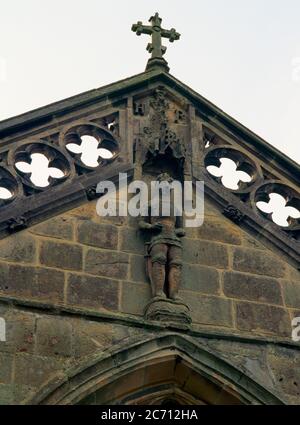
(5, 193)
(40, 165)
(89, 150)
(229, 174)
(39, 170)
(280, 204)
(281, 213)
(8, 186)
(91, 145)
(231, 168)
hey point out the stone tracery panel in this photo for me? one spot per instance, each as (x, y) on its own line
(244, 175)
(32, 160)
(247, 179)
(34, 166)
(288, 208)
(103, 145)
(17, 171)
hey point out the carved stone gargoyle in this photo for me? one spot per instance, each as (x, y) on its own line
(164, 263)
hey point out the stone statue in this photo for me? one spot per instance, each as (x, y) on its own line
(164, 250)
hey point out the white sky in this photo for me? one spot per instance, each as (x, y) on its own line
(243, 55)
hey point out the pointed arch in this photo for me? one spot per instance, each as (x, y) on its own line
(166, 368)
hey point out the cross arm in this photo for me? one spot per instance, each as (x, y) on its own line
(171, 34)
(139, 28)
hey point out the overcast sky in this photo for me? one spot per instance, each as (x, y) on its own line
(242, 55)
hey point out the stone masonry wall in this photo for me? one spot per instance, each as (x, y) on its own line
(231, 282)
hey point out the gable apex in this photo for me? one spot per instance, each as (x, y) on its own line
(46, 114)
(113, 114)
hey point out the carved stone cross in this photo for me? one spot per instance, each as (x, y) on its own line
(155, 47)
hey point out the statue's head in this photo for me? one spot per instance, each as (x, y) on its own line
(164, 177)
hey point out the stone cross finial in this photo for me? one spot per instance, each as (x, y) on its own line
(156, 48)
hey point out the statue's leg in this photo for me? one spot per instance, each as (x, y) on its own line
(175, 267)
(158, 269)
